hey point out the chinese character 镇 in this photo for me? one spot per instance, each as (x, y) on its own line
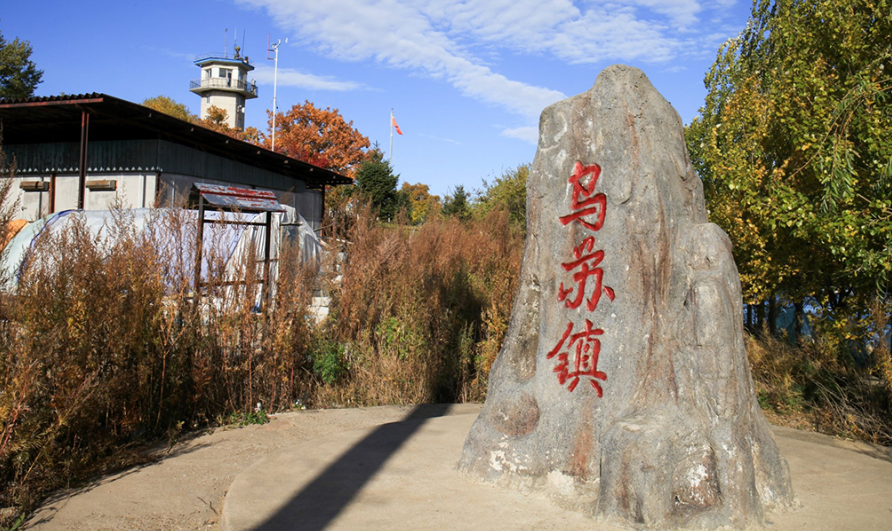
(579, 357)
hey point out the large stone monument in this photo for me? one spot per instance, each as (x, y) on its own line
(623, 388)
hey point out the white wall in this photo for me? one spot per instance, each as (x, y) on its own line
(227, 101)
(138, 190)
(135, 190)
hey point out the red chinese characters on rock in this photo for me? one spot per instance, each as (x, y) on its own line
(585, 203)
(577, 353)
(585, 349)
(588, 267)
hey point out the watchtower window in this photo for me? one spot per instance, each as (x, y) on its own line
(226, 73)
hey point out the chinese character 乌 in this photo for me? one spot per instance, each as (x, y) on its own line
(584, 201)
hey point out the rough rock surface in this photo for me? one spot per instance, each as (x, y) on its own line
(623, 388)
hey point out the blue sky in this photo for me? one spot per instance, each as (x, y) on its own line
(466, 79)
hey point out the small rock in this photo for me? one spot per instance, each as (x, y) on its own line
(8, 516)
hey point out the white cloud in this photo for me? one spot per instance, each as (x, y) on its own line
(529, 134)
(292, 78)
(190, 57)
(441, 139)
(559, 28)
(681, 12)
(403, 35)
(445, 39)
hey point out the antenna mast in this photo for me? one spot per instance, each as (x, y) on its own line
(274, 48)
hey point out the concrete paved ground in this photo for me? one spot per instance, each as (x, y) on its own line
(402, 476)
(183, 489)
(364, 469)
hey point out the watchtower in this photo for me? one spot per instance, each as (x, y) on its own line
(224, 84)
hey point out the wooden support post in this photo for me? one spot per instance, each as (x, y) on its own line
(82, 170)
(266, 259)
(198, 250)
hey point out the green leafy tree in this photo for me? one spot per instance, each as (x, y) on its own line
(507, 192)
(19, 75)
(457, 205)
(376, 182)
(170, 107)
(794, 146)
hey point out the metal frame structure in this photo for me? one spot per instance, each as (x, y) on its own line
(232, 199)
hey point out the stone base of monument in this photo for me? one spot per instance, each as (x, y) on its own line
(622, 389)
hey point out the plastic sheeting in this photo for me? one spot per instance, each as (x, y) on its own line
(222, 243)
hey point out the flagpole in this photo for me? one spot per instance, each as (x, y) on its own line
(390, 153)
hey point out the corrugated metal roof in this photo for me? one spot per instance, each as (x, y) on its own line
(240, 199)
(47, 119)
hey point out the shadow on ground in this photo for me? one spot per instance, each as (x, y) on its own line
(320, 502)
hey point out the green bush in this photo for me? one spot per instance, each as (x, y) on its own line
(329, 362)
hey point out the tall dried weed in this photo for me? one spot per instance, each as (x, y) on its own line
(422, 312)
(104, 346)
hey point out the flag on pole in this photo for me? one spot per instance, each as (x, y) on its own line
(392, 125)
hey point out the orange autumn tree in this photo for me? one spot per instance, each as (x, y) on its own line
(319, 136)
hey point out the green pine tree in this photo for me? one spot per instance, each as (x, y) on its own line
(19, 76)
(376, 182)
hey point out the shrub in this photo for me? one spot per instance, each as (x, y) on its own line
(813, 385)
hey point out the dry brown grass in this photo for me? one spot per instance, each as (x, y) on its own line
(423, 312)
(102, 348)
(813, 386)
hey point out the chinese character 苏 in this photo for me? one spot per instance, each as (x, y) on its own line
(587, 261)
